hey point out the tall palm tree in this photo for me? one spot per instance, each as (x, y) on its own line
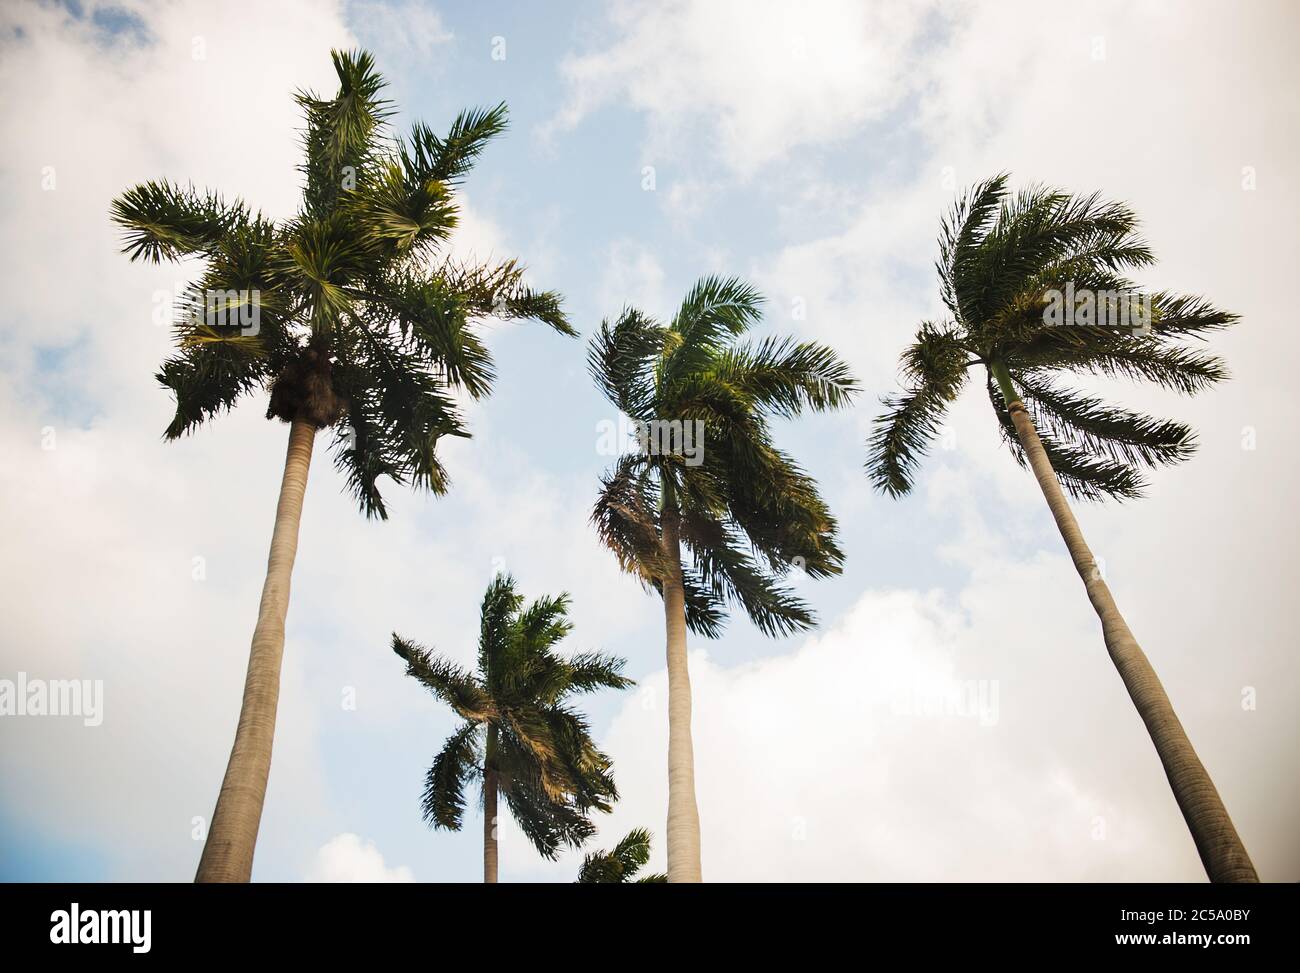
(344, 316)
(1034, 283)
(707, 476)
(618, 865)
(519, 736)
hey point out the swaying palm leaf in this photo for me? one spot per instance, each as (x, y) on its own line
(623, 861)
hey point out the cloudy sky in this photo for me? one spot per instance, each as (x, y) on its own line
(810, 147)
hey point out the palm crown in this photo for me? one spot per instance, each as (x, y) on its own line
(621, 863)
(355, 318)
(517, 721)
(1002, 258)
(745, 510)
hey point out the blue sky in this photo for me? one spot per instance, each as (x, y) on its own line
(809, 148)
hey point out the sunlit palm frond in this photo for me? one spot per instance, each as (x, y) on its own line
(164, 221)
(620, 359)
(453, 685)
(427, 156)
(621, 863)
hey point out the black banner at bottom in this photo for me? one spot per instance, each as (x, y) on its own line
(146, 922)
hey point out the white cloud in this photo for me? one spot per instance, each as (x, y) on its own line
(921, 738)
(346, 858)
(407, 27)
(767, 77)
(633, 275)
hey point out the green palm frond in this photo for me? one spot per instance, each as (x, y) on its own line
(500, 606)
(787, 523)
(705, 614)
(715, 311)
(1187, 314)
(403, 216)
(731, 575)
(783, 376)
(544, 623)
(430, 317)
(397, 412)
(1084, 476)
(206, 384)
(548, 824)
(626, 518)
(1089, 424)
(620, 357)
(448, 681)
(621, 863)
(716, 308)
(500, 290)
(458, 763)
(1118, 354)
(344, 134)
(902, 437)
(165, 221)
(934, 370)
(589, 671)
(426, 156)
(959, 235)
(402, 404)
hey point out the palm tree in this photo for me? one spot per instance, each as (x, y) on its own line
(619, 865)
(707, 476)
(519, 736)
(344, 317)
(1002, 258)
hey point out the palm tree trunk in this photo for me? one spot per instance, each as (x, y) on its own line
(228, 852)
(1221, 850)
(683, 814)
(490, 810)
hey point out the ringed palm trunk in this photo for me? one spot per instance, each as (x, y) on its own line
(1222, 853)
(490, 786)
(228, 852)
(683, 839)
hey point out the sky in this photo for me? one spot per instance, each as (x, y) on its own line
(954, 717)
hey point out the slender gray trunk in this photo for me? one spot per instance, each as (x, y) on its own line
(228, 852)
(490, 786)
(1217, 842)
(683, 837)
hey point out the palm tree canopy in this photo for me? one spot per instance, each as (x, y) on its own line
(549, 769)
(359, 324)
(1003, 259)
(745, 510)
(619, 865)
